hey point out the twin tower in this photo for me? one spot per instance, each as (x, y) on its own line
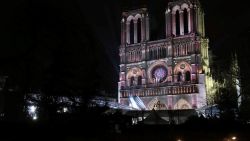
(168, 74)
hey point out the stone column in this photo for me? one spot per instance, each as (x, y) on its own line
(195, 14)
(122, 32)
(153, 54)
(199, 22)
(169, 51)
(119, 92)
(168, 23)
(157, 53)
(128, 82)
(130, 56)
(128, 32)
(133, 56)
(181, 23)
(147, 28)
(189, 20)
(173, 24)
(143, 77)
(143, 52)
(203, 24)
(136, 55)
(136, 81)
(143, 28)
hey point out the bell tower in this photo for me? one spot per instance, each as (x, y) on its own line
(135, 26)
(134, 34)
(184, 17)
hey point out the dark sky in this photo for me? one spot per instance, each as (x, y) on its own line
(63, 45)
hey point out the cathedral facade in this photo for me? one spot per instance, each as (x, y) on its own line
(167, 74)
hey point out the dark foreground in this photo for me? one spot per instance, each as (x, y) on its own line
(93, 130)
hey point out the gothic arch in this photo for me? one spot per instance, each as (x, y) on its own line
(180, 72)
(134, 72)
(184, 5)
(182, 67)
(175, 8)
(130, 18)
(137, 16)
(133, 76)
(182, 104)
(151, 103)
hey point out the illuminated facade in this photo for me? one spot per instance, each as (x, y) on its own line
(167, 74)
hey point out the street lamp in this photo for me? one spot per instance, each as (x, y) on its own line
(234, 138)
(34, 117)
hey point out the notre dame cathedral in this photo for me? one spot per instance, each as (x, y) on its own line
(168, 74)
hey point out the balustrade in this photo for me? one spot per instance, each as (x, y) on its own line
(170, 90)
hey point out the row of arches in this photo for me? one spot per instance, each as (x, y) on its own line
(182, 73)
(134, 56)
(135, 37)
(182, 50)
(134, 76)
(134, 29)
(181, 22)
(161, 52)
(181, 19)
(157, 53)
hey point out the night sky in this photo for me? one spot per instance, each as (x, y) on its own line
(72, 46)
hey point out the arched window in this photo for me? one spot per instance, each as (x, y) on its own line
(132, 81)
(139, 30)
(177, 22)
(185, 15)
(139, 80)
(179, 78)
(131, 32)
(187, 76)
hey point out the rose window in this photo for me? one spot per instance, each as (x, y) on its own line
(159, 74)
